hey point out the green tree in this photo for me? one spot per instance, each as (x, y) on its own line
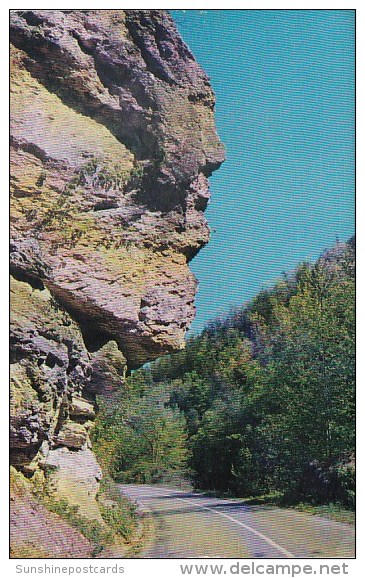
(152, 440)
(310, 347)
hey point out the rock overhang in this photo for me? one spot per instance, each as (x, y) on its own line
(113, 139)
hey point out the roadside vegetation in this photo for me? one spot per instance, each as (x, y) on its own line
(139, 436)
(261, 402)
(116, 528)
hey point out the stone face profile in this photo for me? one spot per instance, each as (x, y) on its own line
(112, 142)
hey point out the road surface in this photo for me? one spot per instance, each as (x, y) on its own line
(191, 525)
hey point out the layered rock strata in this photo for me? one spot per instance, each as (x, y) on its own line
(112, 142)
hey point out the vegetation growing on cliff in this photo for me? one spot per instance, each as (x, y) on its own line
(114, 531)
(267, 394)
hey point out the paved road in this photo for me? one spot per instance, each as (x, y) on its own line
(189, 525)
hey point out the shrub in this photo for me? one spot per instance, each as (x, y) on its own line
(117, 512)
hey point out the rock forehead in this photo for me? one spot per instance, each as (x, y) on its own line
(113, 139)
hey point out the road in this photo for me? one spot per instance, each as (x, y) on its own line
(191, 525)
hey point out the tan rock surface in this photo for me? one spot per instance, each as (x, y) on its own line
(112, 141)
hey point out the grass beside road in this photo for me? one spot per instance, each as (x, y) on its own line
(331, 511)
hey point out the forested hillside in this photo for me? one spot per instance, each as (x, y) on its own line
(260, 401)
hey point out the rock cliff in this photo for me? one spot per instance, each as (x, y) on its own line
(112, 142)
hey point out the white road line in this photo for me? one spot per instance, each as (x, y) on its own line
(249, 528)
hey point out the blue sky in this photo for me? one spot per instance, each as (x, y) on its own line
(284, 84)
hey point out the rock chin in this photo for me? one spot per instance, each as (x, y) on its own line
(112, 142)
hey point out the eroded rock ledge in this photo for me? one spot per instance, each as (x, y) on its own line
(112, 141)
